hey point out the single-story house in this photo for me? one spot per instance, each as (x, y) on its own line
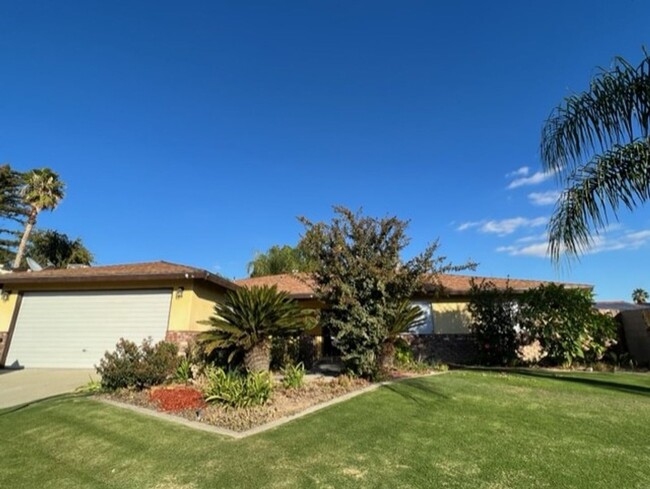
(444, 332)
(68, 318)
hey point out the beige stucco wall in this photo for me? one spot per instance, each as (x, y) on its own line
(450, 317)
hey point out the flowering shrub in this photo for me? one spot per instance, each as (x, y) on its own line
(177, 398)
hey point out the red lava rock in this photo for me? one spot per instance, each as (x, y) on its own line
(175, 399)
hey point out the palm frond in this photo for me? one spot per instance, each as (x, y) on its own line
(620, 176)
(615, 110)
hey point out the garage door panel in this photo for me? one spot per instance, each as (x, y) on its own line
(74, 329)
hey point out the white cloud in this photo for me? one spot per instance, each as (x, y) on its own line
(544, 198)
(534, 179)
(630, 240)
(519, 172)
(503, 227)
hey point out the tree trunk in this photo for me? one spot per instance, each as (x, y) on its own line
(31, 220)
(258, 358)
(387, 356)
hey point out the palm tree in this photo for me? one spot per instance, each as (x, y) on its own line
(43, 190)
(639, 296)
(248, 318)
(597, 142)
(403, 317)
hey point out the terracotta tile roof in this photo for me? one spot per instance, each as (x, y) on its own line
(157, 270)
(296, 284)
(301, 285)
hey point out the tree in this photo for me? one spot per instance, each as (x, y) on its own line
(58, 249)
(495, 321)
(12, 211)
(280, 259)
(42, 190)
(639, 296)
(362, 279)
(246, 321)
(597, 142)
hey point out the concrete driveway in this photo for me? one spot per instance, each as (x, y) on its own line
(31, 384)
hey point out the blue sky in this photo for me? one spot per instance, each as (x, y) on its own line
(196, 132)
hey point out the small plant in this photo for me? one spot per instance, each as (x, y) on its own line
(293, 376)
(403, 353)
(183, 372)
(236, 389)
(133, 366)
(91, 387)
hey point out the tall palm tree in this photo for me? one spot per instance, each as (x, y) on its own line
(43, 190)
(598, 143)
(639, 296)
(248, 318)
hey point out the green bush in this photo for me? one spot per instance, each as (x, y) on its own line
(403, 352)
(137, 367)
(566, 324)
(495, 318)
(236, 389)
(285, 350)
(293, 376)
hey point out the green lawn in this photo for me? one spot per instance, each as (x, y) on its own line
(463, 429)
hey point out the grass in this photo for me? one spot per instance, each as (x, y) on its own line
(461, 430)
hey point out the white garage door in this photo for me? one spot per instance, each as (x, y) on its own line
(74, 329)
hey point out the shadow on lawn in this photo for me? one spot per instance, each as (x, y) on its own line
(416, 390)
(20, 407)
(569, 377)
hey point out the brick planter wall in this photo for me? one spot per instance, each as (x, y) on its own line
(181, 338)
(446, 348)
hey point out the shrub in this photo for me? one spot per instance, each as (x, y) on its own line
(137, 367)
(495, 319)
(403, 352)
(293, 376)
(183, 372)
(177, 398)
(235, 389)
(285, 350)
(566, 324)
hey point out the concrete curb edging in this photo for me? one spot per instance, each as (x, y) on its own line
(238, 435)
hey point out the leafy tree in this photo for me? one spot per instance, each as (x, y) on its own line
(639, 296)
(495, 319)
(12, 211)
(598, 143)
(247, 320)
(280, 259)
(566, 324)
(58, 249)
(42, 190)
(362, 279)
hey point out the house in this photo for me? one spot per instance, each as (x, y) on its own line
(68, 318)
(634, 320)
(443, 333)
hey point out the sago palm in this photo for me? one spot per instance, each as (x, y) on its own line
(43, 190)
(598, 143)
(248, 318)
(403, 317)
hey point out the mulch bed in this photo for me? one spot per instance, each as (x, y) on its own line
(187, 402)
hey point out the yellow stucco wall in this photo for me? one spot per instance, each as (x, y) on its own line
(450, 317)
(7, 311)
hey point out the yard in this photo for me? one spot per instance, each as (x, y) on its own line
(466, 429)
